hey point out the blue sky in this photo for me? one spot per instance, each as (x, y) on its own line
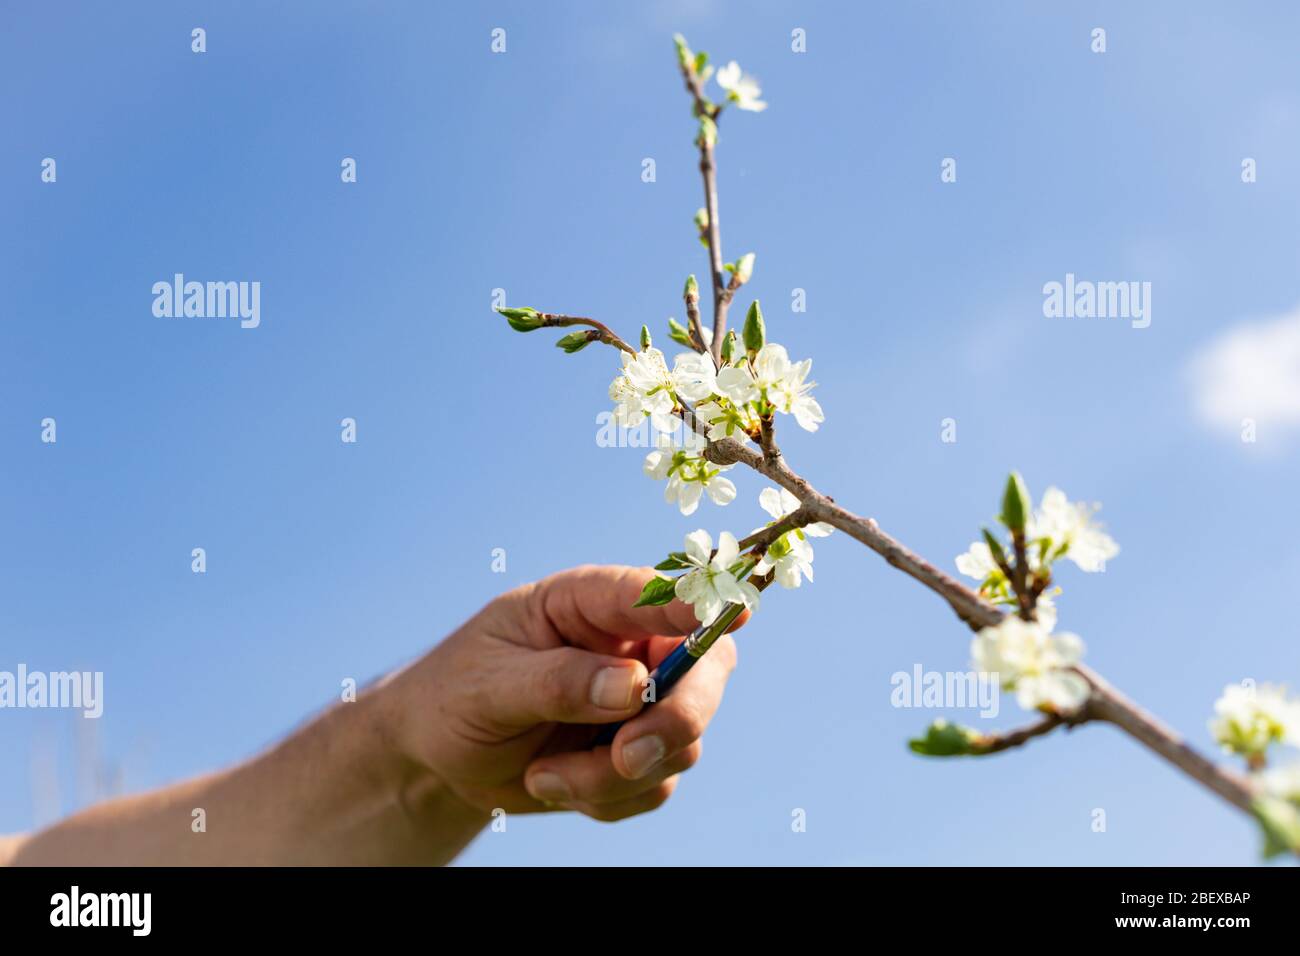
(522, 171)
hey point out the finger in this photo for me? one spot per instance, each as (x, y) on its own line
(564, 684)
(642, 803)
(677, 721)
(589, 776)
(593, 605)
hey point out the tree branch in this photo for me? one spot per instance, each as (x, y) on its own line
(555, 320)
(1104, 704)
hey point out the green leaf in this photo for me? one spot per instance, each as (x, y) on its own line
(677, 332)
(575, 342)
(701, 61)
(1016, 504)
(995, 546)
(657, 591)
(944, 739)
(676, 561)
(1280, 821)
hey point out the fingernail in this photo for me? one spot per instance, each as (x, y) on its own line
(549, 787)
(642, 754)
(613, 687)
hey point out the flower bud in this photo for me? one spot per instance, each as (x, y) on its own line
(692, 291)
(522, 320)
(708, 132)
(702, 218)
(730, 347)
(576, 341)
(1015, 504)
(677, 332)
(744, 268)
(684, 55)
(645, 337)
(755, 334)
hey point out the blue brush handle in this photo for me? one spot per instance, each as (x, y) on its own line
(673, 667)
(669, 672)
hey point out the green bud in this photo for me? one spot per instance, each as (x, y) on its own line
(1015, 504)
(755, 334)
(522, 320)
(645, 337)
(944, 739)
(575, 342)
(701, 61)
(692, 290)
(744, 268)
(708, 132)
(684, 55)
(730, 347)
(677, 332)
(702, 218)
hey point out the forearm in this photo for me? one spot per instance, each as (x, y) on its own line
(338, 791)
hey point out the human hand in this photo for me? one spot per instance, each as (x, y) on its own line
(503, 711)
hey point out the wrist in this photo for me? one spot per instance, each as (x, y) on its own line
(396, 715)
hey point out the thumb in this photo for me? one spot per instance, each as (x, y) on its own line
(567, 685)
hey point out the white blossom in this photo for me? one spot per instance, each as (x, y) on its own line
(694, 376)
(978, 562)
(1248, 718)
(790, 558)
(742, 89)
(1070, 524)
(1282, 782)
(644, 389)
(778, 503)
(1033, 662)
(689, 474)
(778, 381)
(710, 584)
(726, 420)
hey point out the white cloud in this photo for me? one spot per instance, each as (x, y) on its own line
(1251, 371)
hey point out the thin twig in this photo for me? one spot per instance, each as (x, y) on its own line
(762, 539)
(995, 743)
(708, 170)
(692, 299)
(553, 319)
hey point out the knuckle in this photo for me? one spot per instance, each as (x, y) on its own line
(689, 721)
(553, 683)
(689, 757)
